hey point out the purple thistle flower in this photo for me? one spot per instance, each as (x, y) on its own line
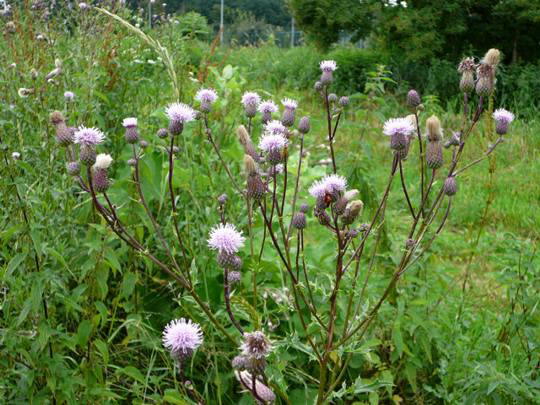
(250, 98)
(225, 238)
(398, 126)
(182, 337)
(88, 136)
(268, 107)
(503, 115)
(180, 112)
(206, 96)
(272, 142)
(129, 122)
(289, 103)
(275, 127)
(330, 184)
(328, 65)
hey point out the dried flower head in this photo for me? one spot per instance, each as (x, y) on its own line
(129, 122)
(88, 136)
(328, 65)
(103, 161)
(206, 96)
(180, 112)
(272, 142)
(255, 344)
(182, 337)
(492, 57)
(434, 130)
(225, 238)
(289, 103)
(398, 126)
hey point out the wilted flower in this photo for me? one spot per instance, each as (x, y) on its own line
(89, 136)
(15, 155)
(262, 391)
(434, 130)
(23, 92)
(225, 238)
(467, 67)
(255, 344)
(182, 337)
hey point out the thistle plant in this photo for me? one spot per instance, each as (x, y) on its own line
(336, 316)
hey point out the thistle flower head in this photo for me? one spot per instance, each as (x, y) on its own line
(275, 127)
(434, 132)
(103, 161)
(502, 115)
(467, 65)
(272, 142)
(180, 112)
(182, 336)
(206, 96)
(398, 126)
(256, 344)
(250, 98)
(88, 136)
(492, 57)
(69, 96)
(330, 184)
(268, 107)
(289, 103)
(225, 238)
(129, 122)
(328, 65)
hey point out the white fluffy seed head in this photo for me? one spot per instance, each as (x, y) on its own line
(103, 161)
(129, 122)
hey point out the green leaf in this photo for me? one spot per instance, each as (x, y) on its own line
(15, 262)
(174, 397)
(83, 333)
(128, 284)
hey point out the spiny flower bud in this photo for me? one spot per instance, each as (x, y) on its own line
(228, 260)
(255, 187)
(340, 205)
(234, 277)
(318, 86)
(131, 135)
(163, 133)
(467, 68)
(433, 129)
(434, 155)
(402, 153)
(454, 140)
(73, 168)
(100, 180)
(413, 99)
(304, 208)
(132, 162)
(87, 155)
(450, 186)
(322, 216)
(175, 127)
(143, 144)
(299, 220)
(486, 80)
(352, 211)
(304, 125)
(288, 116)
(344, 101)
(332, 98)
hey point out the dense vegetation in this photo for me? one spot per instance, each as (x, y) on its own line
(82, 314)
